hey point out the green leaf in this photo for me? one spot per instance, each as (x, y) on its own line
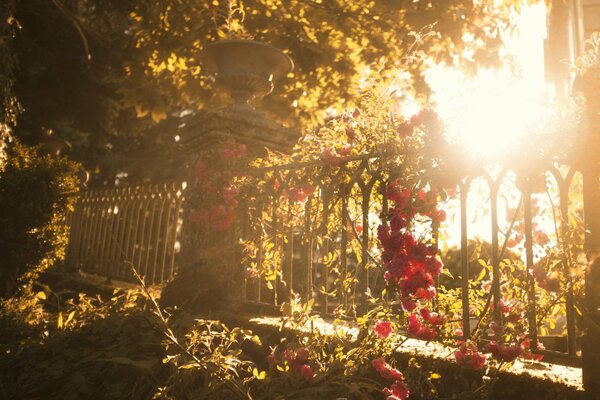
(446, 271)
(262, 375)
(69, 318)
(255, 339)
(434, 375)
(481, 275)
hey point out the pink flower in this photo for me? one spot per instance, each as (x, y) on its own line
(431, 318)
(496, 327)
(390, 373)
(502, 306)
(344, 151)
(399, 195)
(408, 304)
(398, 391)
(404, 130)
(231, 150)
(467, 356)
(329, 156)
(438, 216)
(550, 282)
(529, 355)
(427, 117)
(202, 170)
(307, 372)
(302, 354)
(418, 330)
(383, 329)
(385, 370)
(288, 355)
(506, 353)
(378, 364)
(300, 194)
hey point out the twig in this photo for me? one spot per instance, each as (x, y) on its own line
(168, 333)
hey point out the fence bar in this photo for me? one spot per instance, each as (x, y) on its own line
(494, 186)
(464, 261)
(363, 276)
(344, 247)
(531, 302)
(570, 301)
(134, 223)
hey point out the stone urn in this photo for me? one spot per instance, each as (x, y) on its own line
(52, 145)
(245, 68)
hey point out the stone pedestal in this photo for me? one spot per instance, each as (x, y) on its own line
(210, 275)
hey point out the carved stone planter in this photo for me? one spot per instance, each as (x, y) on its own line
(52, 145)
(245, 68)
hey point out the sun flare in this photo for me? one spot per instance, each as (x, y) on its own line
(492, 112)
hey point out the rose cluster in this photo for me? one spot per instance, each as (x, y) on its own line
(217, 185)
(469, 357)
(398, 389)
(297, 360)
(424, 325)
(411, 265)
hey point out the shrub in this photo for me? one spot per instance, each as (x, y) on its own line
(35, 194)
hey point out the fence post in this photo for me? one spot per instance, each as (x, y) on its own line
(209, 271)
(591, 196)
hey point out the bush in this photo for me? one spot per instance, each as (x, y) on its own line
(35, 194)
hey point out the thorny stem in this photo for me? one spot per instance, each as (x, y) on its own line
(168, 333)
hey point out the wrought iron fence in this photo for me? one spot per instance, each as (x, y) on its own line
(322, 243)
(314, 229)
(137, 224)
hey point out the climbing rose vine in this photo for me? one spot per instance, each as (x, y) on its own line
(216, 176)
(411, 264)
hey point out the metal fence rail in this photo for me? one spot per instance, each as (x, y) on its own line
(137, 224)
(315, 233)
(333, 260)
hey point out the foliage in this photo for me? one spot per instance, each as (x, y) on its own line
(330, 42)
(374, 160)
(66, 345)
(591, 58)
(67, 69)
(35, 195)
(588, 69)
(88, 70)
(8, 103)
(89, 347)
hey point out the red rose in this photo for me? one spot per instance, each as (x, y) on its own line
(383, 329)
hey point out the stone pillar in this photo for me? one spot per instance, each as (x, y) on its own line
(590, 87)
(208, 276)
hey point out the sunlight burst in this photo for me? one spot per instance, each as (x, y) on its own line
(492, 112)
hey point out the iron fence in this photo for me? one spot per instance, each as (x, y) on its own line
(314, 226)
(322, 243)
(136, 224)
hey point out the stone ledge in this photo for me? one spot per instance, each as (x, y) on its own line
(556, 377)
